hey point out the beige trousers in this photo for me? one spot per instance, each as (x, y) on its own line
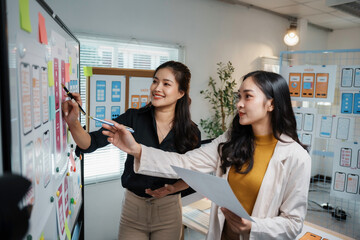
(155, 219)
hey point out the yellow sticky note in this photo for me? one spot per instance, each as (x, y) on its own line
(68, 234)
(88, 71)
(25, 23)
(50, 74)
(70, 61)
(42, 236)
(68, 134)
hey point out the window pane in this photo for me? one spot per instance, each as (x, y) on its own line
(142, 61)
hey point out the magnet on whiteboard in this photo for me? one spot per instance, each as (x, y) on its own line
(52, 41)
(22, 50)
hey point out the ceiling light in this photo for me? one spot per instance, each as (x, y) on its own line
(291, 37)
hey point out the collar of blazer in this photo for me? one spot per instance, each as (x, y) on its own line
(282, 149)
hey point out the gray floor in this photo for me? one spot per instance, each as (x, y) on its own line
(320, 194)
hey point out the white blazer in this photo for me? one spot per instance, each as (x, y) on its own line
(281, 204)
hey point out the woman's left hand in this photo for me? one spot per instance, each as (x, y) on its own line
(237, 224)
(161, 192)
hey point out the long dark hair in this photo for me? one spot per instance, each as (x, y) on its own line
(185, 130)
(239, 150)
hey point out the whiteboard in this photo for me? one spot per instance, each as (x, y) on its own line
(41, 148)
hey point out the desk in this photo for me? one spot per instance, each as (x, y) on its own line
(196, 216)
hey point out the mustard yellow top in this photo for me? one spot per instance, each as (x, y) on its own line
(246, 186)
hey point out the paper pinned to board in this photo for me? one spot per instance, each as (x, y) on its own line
(214, 188)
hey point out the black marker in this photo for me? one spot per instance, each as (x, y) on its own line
(72, 97)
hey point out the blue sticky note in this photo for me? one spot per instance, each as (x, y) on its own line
(52, 107)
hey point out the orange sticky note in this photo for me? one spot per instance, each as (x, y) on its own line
(67, 68)
(25, 23)
(50, 74)
(42, 30)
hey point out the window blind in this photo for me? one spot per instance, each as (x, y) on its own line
(108, 163)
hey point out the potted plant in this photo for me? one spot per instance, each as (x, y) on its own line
(222, 100)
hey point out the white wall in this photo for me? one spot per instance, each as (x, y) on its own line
(210, 30)
(102, 208)
(344, 39)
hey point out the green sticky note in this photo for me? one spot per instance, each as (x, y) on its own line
(25, 23)
(68, 135)
(88, 71)
(68, 234)
(52, 107)
(50, 74)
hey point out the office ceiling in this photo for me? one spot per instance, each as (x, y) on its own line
(325, 13)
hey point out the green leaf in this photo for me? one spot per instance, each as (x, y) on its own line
(221, 99)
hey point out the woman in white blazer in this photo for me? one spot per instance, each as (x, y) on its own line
(280, 203)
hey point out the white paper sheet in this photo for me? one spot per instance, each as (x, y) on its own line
(214, 188)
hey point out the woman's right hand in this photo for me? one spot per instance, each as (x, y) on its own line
(120, 137)
(71, 109)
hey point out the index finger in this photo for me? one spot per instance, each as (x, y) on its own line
(117, 126)
(77, 97)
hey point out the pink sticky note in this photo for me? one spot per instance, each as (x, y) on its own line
(72, 161)
(67, 72)
(42, 30)
(57, 132)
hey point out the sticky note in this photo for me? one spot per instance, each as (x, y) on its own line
(70, 61)
(68, 234)
(50, 74)
(67, 70)
(42, 30)
(68, 134)
(25, 22)
(72, 161)
(52, 107)
(88, 71)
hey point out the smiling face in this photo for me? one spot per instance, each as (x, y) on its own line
(164, 91)
(254, 108)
